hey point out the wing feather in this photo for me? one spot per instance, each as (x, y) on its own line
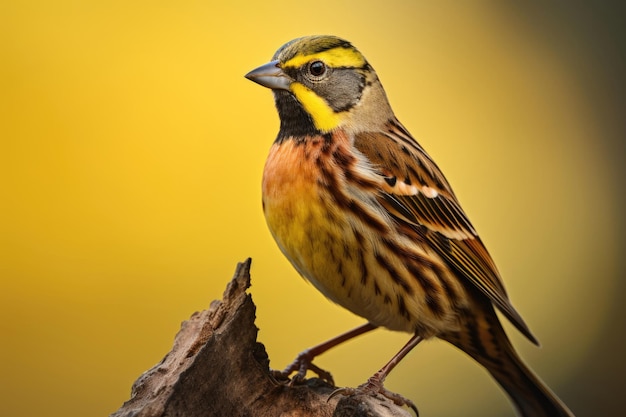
(416, 192)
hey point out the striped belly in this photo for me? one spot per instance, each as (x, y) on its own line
(346, 245)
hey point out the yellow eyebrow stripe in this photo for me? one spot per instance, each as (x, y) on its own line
(335, 57)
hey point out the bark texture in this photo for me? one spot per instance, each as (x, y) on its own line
(217, 368)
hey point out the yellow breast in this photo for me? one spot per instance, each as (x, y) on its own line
(296, 210)
(342, 240)
(326, 243)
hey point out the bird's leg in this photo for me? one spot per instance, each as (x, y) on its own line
(374, 384)
(304, 361)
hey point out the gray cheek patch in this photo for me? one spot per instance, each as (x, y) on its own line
(342, 90)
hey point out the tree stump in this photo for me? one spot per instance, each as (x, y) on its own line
(217, 368)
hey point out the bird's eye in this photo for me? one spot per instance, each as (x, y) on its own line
(317, 68)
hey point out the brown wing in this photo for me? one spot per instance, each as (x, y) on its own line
(416, 192)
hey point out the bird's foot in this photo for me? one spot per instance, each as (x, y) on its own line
(302, 364)
(374, 386)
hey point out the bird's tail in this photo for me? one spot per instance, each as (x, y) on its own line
(486, 341)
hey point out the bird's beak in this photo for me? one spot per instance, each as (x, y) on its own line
(271, 76)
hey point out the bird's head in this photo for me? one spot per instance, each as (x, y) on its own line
(323, 83)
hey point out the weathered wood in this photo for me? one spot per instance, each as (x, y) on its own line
(217, 368)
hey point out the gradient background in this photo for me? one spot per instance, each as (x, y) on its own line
(131, 157)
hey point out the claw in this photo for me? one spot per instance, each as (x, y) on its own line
(304, 361)
(346, 392)
(302, 364)
(374, 386)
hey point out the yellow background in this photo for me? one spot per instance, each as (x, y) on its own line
(131, 156)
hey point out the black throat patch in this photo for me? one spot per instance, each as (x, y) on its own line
(294, 121)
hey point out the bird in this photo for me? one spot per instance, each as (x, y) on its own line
(363, 213)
